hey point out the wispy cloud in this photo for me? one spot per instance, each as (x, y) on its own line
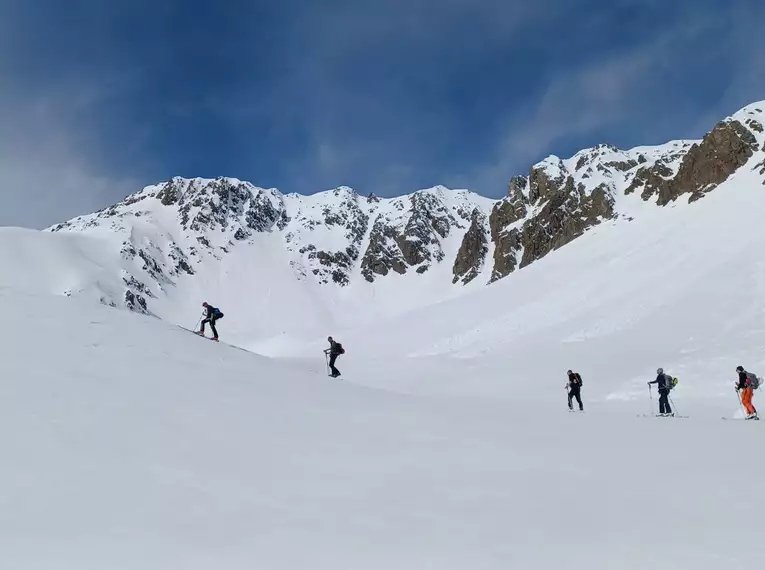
(49, 166)
(386, 96)
(609, 91)
(52, 166)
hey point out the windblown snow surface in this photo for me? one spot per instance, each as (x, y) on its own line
(131, 444)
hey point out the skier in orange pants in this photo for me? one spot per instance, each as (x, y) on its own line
(747, 382)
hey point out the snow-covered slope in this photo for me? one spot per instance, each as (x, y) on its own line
(130, 444)
(279, 263)
(285, 267)
(680, 287)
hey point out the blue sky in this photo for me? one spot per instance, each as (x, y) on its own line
(99, 98)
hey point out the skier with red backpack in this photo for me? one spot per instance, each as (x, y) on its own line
(574, 387)
(335, 349)
(747, 384)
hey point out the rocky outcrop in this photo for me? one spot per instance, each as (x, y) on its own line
(338, 236)
(335, 266)
(382, 254)
(654, 179)
(134, 302)
(505, 213)
(563, 210)
(565, 216)
(542, 184)
(702, 167)
(507, 249)
(754, 125)
(410, 240)
(729, 146)
(170, 192)
(472, 252)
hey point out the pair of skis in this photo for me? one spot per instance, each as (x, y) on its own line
(661, 416)
(686, 417)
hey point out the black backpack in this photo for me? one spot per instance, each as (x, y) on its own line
(339, 348)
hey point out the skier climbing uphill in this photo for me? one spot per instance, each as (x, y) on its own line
(665, 383)
(574, 390)
(335, 349)
(747, 384)
(211, 315)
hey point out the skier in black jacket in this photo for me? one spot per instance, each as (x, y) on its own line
(746, 384)
(211, 315)
(664, 384)
(335, 349)
(574, 390)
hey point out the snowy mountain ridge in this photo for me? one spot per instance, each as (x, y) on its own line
(336, 253)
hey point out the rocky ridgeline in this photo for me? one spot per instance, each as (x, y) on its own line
(338, 236)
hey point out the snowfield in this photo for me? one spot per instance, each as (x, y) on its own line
(131, 444)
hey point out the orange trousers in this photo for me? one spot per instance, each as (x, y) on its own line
(746, 399)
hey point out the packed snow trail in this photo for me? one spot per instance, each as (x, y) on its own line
(129, 444)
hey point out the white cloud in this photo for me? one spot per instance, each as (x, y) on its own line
(49, 162)
(626, 90)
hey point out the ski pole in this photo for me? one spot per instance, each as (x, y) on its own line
(326, 361)
(671, 401)
(740, 402)
(196, 326)
(650, 395)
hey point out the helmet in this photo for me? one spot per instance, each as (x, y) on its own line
(739, 368)
(204, 304)
(569, 372)
(660, 371)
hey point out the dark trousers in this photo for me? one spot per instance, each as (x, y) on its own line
(332, 358)
(574, 392)
(210, 320)
(664, 402)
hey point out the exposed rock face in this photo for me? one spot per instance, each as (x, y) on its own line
(542, 184)
(411, 236)
(566, 215)
(472, 253)
(761, 168)
(655, 179)
(337, 237)
(555, 210)
(170, 192)
(729, 146)
(345, 216)
(383, 253)
(754, 125)
(507, 248)
(506, 238)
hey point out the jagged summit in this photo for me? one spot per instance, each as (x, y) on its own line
(421, 247)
